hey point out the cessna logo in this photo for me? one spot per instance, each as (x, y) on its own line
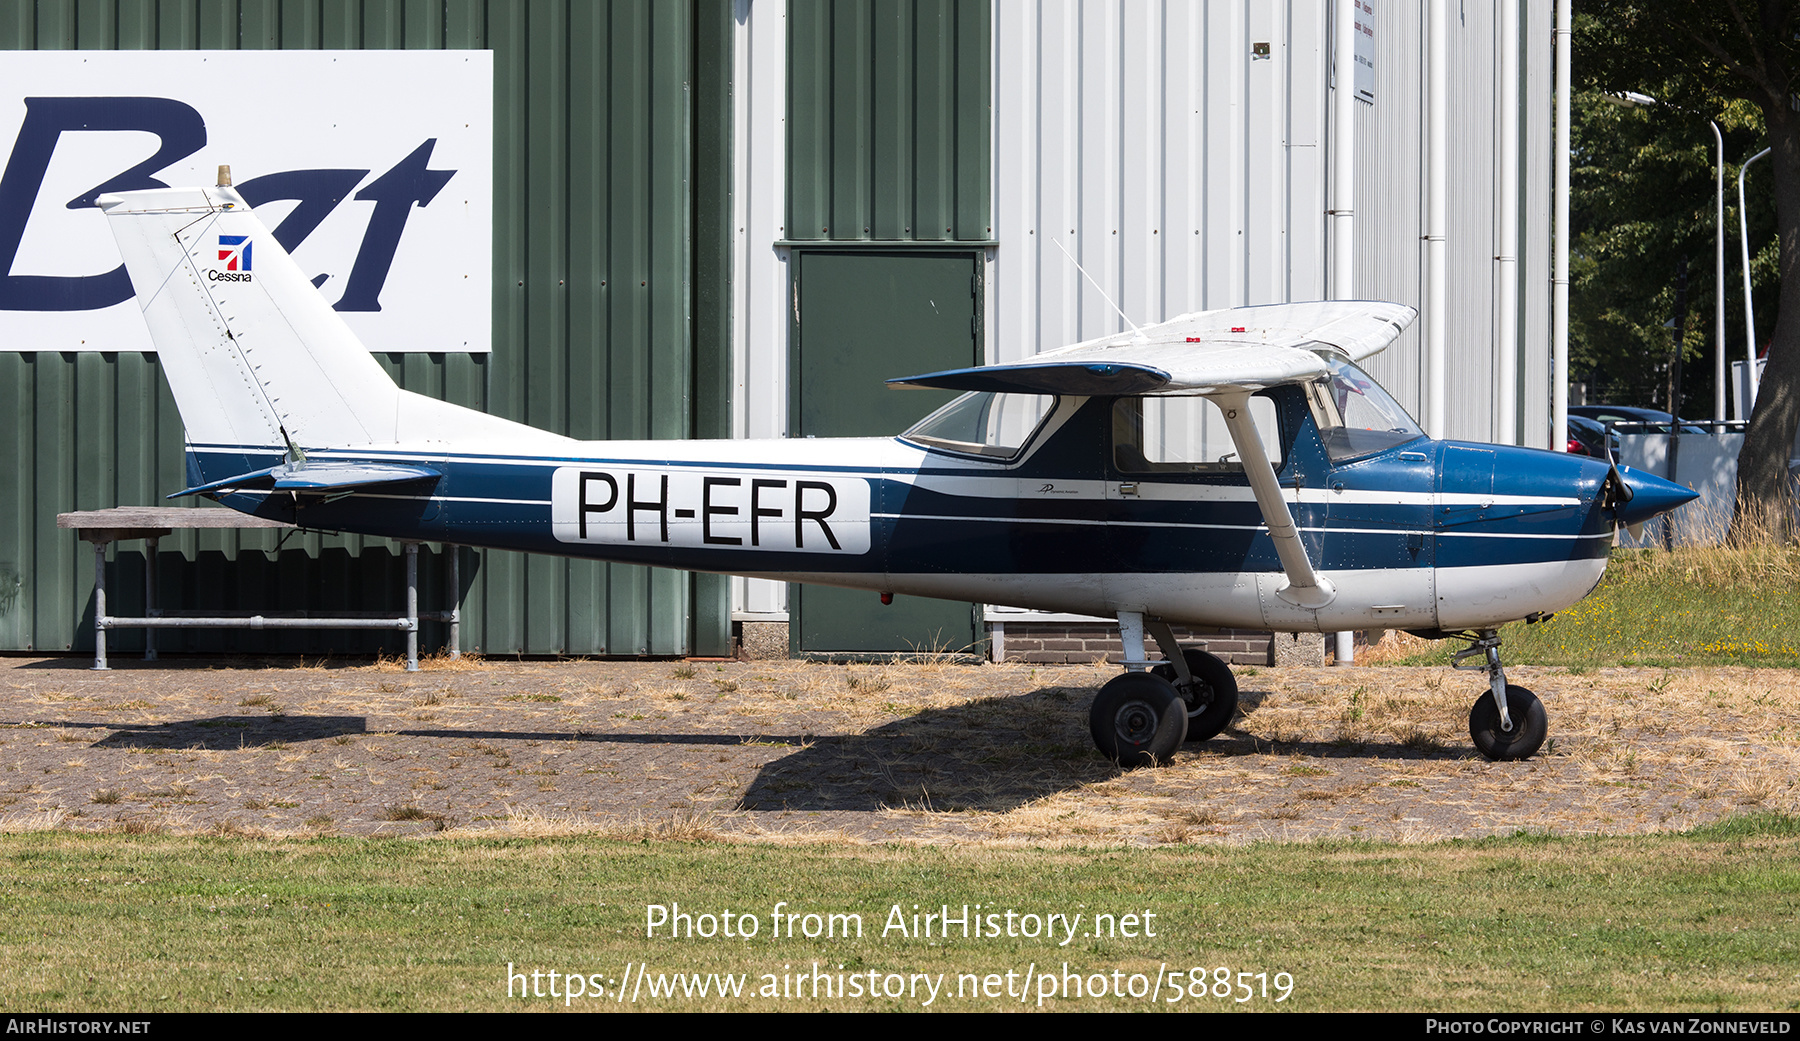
(777, 511)
(234, 250)
(234, 253)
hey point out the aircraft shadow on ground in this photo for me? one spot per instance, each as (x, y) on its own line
(992, 754)
(219, 732)
(224, 732)
(995, 754)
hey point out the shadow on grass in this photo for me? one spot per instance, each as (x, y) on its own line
(222, 732)
(218, 732)
(996, 755)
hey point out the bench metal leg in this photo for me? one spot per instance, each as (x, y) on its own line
(150, 610)
(100, 607)
(455, 601)
(412, 606)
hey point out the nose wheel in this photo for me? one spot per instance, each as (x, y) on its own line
(1508, 722)
(1529, 725)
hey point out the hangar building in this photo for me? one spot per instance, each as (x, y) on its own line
(734, 218)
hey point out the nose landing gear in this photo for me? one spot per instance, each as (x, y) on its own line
(1508, 722)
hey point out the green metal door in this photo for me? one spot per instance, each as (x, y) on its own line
(862, 318)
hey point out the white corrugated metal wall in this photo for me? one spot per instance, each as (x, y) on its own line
(759, 277)
(1390, 194)
(1186, 171)
(1538, 68)
(1182, 170)
(1391, 175)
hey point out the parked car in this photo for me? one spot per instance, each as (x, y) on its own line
(1591, 437)
(1638, 420)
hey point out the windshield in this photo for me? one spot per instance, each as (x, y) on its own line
(1355, 416)
(984, 423)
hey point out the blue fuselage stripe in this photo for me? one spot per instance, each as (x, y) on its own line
(505, 502)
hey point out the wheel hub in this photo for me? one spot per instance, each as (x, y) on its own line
(1198, 695)
(1135, 722)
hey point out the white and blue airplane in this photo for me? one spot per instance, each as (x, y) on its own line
(1227, 468)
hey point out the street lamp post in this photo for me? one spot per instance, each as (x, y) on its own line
(1750, 376)
(1635, 99)
(1719, 366)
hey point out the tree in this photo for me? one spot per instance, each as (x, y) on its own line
(1706, 54)
(1642, 201)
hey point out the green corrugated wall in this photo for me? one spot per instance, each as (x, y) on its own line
(888, 129)
(888, 116)
(612, 146)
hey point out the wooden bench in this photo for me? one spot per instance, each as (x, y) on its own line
(151, 523)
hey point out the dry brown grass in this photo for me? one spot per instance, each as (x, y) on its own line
(891, 752)
(534, 822)
(1393, 646)
(1753, 563)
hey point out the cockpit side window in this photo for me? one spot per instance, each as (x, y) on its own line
(1167, 434)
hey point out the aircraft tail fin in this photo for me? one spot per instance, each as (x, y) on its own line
(255, 356)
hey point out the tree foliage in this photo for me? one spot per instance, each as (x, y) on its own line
(1642, 199)
(1706, 55)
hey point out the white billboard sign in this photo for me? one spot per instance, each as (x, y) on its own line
(373, 168)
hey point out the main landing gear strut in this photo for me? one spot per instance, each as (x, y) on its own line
(1142, 717)
(1508, 722)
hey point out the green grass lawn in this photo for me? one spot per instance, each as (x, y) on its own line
(1701, 921)
(1690, 607)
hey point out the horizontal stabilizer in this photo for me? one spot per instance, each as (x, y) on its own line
(317, 478)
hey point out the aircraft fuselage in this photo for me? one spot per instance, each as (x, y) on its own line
(1424, 534)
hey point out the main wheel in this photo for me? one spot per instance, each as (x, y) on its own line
(1530, 725)
(1211, 699)
(1138, 720)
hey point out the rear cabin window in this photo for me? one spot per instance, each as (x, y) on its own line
(1186, 435)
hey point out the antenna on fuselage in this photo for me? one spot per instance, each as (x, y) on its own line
(1137, 334)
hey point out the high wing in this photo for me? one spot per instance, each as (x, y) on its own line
(1207, 352)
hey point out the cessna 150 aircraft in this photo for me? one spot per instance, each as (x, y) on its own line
(1228, 468)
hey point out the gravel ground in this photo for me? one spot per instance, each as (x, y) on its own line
(914, 752)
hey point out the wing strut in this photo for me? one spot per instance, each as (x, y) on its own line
(1306, 587)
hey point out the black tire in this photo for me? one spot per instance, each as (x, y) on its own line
(1212, 700)
(1530, 725)
(1138, 720)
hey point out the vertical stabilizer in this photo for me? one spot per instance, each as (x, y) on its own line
(255, 356)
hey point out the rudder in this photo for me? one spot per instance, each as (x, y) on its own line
(256, 358)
